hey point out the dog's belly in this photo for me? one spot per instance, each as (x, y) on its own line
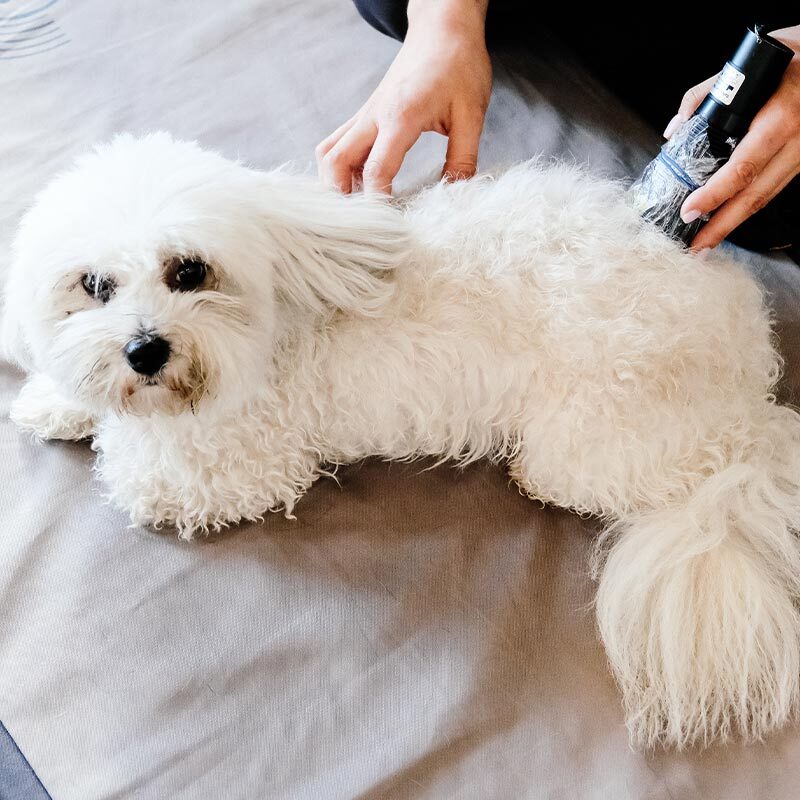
(413, 412)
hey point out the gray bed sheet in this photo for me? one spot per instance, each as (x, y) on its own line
(413, 634)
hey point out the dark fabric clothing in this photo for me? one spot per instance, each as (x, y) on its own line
(648, 65)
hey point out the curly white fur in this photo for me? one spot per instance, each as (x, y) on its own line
(531, 318)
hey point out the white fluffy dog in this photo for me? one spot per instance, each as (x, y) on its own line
(225, 335)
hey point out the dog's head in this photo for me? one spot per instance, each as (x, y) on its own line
(154, 276)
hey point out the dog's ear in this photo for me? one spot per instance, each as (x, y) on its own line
(333, 249)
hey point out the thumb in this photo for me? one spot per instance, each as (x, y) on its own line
(691, 100)
(464, 137)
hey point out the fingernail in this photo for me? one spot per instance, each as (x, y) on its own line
(690, 216)
(672, 126)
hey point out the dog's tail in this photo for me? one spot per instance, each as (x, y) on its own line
(697, 603)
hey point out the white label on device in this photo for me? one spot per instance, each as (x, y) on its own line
(728, 83)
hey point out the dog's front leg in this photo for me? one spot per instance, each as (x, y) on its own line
(49, 412)
(197, 477)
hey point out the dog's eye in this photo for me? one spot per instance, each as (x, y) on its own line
(99, 286)
(188, 274)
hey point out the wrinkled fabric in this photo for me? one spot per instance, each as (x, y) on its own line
(413, 634)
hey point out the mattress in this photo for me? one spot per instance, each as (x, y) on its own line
(413, 633)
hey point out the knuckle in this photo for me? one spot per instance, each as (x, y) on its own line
(774, 125)
(373, 170)
(319, 151)
(457, 171)
(756, 201)
(462, 165)
(399, 116)
(746, 172)
(778, 120)
(335, 159)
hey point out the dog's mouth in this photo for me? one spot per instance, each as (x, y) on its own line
(131, 387)
(153, 395)
(168, 391)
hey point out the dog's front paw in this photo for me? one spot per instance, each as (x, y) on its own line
(197, 478)
(199, 509)
(162, 512)
(48, 413)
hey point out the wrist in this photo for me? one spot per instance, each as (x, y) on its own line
(452, 17)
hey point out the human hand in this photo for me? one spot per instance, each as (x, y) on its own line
(440, 81)
(766, 159)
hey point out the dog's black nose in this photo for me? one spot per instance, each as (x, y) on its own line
(147, 354)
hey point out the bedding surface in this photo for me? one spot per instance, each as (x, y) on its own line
(413, 634)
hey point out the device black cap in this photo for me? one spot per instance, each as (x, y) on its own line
(746, 82)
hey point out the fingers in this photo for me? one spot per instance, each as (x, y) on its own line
(746, 163)
(767, 158)
(386, 156)
(691, 100)
(778, 172)
(364, 150)
(321, 150)
(461, 160)
(347, 155)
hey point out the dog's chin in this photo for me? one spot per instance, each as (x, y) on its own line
(144, 398)
(164, 394)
